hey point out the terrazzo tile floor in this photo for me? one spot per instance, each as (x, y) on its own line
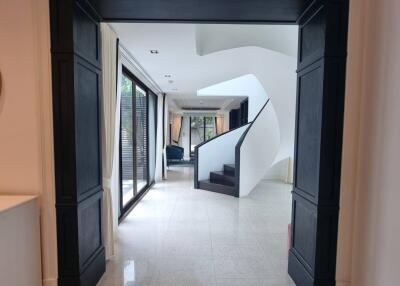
(180, 236)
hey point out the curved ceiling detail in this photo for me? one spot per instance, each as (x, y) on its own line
(246, 85)
(282, 101)
(212, 38)
(189, 72)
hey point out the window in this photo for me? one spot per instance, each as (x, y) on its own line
(202, 128)
(196, 131)
(209, 128)
(134, 142)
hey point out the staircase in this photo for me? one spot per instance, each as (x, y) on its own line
(223, 182)
(242, 146)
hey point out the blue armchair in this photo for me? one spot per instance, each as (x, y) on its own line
(174, 153)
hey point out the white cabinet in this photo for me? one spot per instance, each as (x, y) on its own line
(20, 258)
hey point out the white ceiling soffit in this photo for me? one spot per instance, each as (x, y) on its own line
(204, 102)
(217, 37)
(177, 56)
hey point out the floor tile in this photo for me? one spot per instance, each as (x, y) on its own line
(181, 236)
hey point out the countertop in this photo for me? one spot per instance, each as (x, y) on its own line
(8, 202)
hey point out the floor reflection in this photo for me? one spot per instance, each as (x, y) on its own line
(179, 236)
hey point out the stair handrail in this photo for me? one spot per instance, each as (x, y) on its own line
(237, 150)
(197, 147)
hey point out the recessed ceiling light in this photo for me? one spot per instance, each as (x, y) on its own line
(167, 75)
(153, 51)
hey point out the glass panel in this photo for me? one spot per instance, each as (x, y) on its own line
(134, 139)
(210, 128)
(152, 134)
(126, 141)
(141, 138)
(196, 131)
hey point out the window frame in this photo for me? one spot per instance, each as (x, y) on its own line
(204, 130)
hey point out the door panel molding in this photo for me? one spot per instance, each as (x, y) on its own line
(318, 146)
(77, 75)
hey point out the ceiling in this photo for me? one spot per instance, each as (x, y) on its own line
(194, 56)
(205, 102)
(282, 11)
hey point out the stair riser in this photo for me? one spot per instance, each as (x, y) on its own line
(229, 173)
(228, 170)
(223, 180)
(226, 190)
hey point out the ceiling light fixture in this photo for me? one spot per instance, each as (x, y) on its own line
(167, 75)
(153, 51)
(171, 81)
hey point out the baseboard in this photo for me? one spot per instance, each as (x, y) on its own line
(50, 282)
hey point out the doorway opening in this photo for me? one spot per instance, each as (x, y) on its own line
(319, 115)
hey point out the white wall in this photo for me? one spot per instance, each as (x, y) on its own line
(26, 140)
(282, 92)
(255, 87)
(246, 85)
(216, 153)
(276, 74)
(212, 38)
(256, 159)
(281, 171)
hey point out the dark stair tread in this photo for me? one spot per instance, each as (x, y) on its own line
(222, 178)
(217, 188)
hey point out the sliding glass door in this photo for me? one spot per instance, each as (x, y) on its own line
(127, 143)
(134, 167)
(152, 127)
(141, 139)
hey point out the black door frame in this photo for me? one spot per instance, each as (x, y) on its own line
(138, 194)
(76, 66)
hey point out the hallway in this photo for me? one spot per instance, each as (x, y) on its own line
(180, 236)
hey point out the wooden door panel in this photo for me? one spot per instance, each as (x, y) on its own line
(319, 125)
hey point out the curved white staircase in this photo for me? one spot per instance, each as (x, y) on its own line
(234, 162)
